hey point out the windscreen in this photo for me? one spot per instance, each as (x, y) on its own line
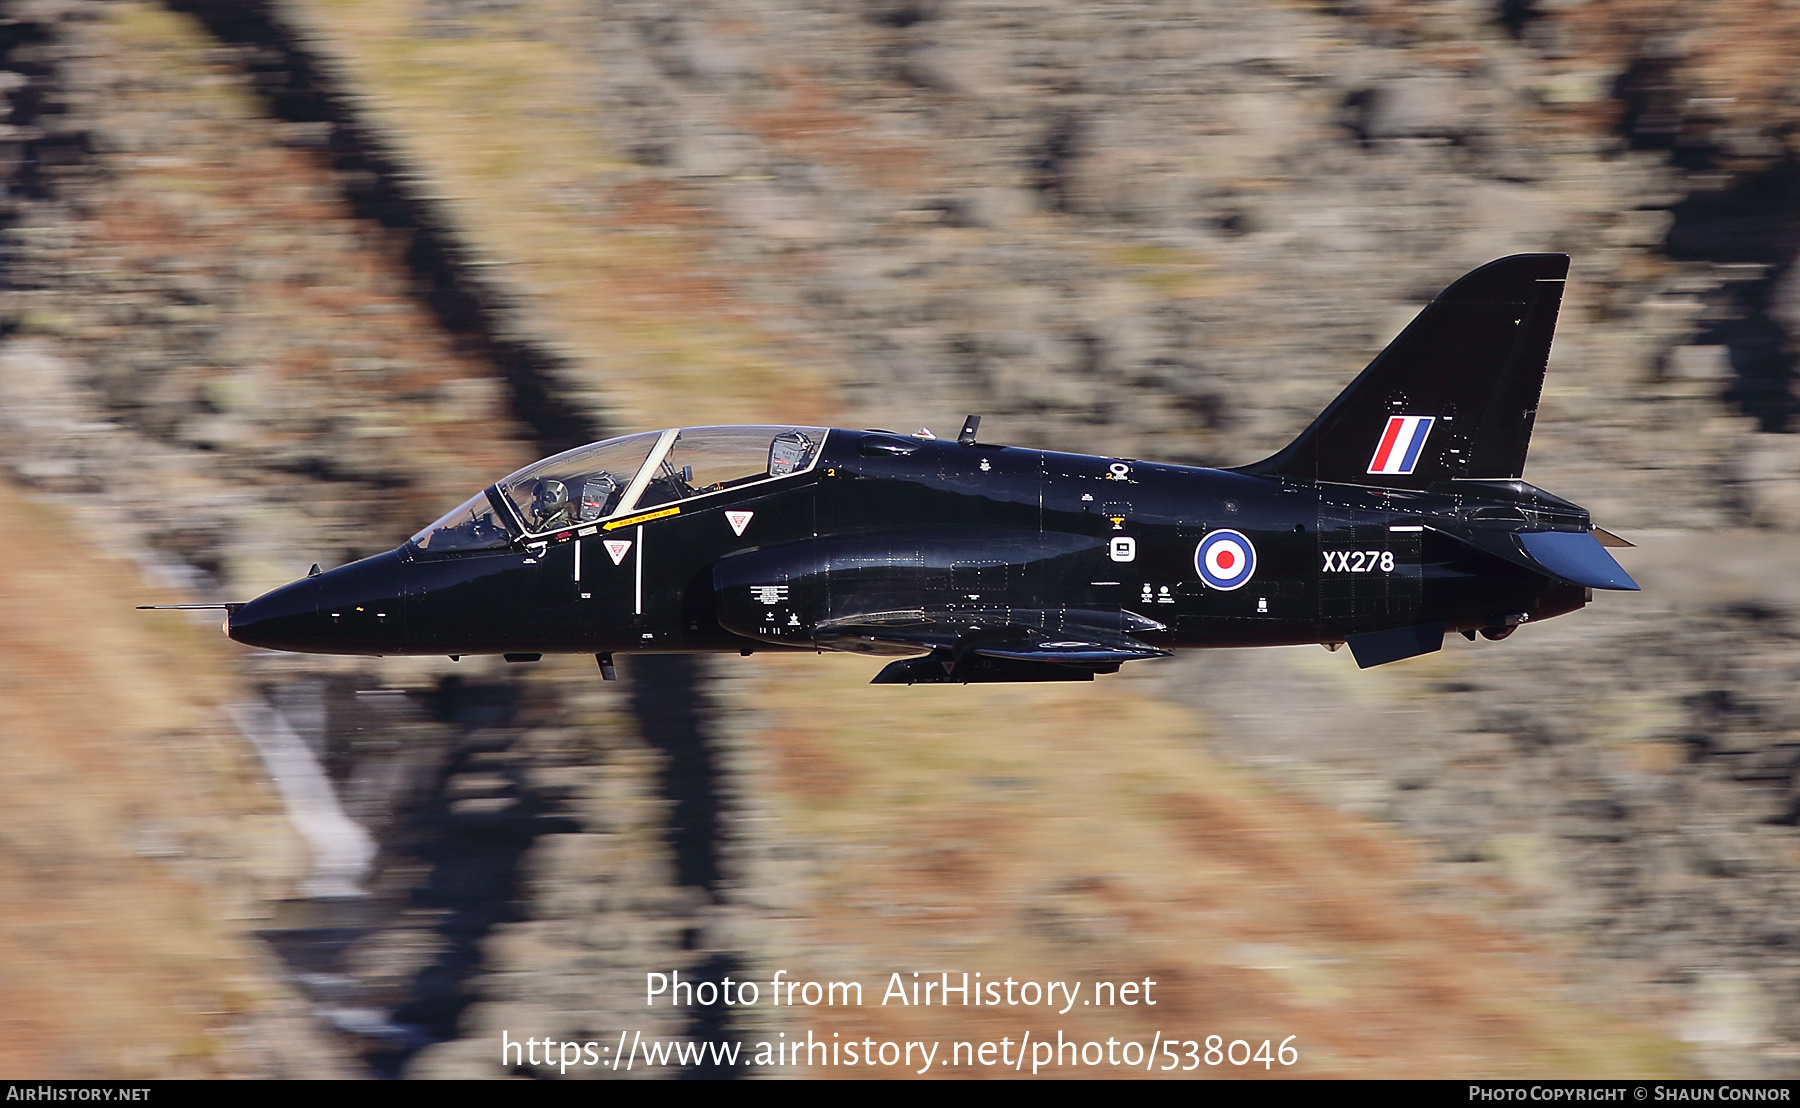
(471, 525)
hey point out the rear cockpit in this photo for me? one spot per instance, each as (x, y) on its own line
(608, 480)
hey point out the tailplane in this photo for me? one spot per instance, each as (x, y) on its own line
(1453, 396)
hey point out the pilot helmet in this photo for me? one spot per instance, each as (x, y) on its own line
(548, 497)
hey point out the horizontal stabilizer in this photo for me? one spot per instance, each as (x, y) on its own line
(1378, 648)
(1577, 557)
(1573, 556)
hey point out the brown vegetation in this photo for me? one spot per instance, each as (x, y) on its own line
(140, 838)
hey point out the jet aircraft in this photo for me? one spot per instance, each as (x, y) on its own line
(1398, 516)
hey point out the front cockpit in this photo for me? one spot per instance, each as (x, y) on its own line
(607, 480)
(396, 603)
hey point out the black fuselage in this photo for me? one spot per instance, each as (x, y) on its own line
(893, 531)
(1399, 515)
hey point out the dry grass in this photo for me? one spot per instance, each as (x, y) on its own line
(1080, 833)
(499, 125)
(1042, 832)
(1738, 55)
(137, 830)
(223, 199)
(807, 123)
(141, 839)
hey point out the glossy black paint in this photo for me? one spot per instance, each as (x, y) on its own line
(1003, 563)
(934, 530)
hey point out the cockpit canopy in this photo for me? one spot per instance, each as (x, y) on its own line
(619, 476)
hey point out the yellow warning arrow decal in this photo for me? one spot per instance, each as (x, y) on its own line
(645, 518)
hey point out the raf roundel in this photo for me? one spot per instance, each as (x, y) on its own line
(1225, 560)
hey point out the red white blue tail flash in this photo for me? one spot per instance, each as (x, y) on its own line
(1225, 560)
(1401, 444)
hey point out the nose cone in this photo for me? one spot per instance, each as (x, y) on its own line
(354, 609)
(285, 619)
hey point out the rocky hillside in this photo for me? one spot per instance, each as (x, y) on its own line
(300, 275)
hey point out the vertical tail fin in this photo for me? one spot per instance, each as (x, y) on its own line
(1453, 396)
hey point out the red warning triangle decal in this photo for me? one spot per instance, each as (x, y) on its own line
(617, 548)
(738, 521)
